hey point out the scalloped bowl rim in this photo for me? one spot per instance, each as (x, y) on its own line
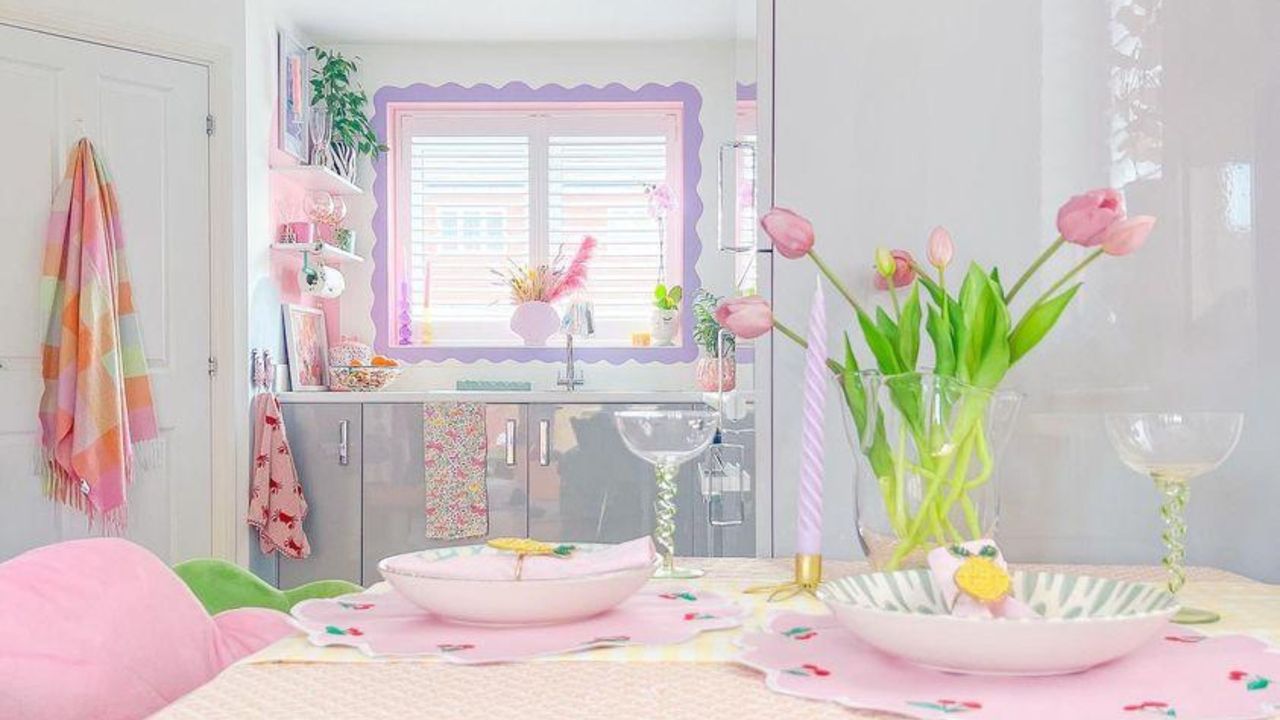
(826, 595)
(595, 547)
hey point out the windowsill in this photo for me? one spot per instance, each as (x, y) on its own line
(554, 352)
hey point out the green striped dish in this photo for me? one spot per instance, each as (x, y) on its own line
(1052, 595)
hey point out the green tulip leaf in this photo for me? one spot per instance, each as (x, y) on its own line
(1037, 323)
(881, 347)
(850, 360)
(944, 352)
(909, 330)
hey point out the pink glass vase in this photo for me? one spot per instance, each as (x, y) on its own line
(710, 369)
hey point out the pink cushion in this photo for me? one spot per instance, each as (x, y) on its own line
(102, 628)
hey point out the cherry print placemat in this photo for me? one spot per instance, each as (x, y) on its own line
(1183, 675)
(386, 625)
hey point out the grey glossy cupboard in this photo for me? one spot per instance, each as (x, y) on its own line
(554, 471)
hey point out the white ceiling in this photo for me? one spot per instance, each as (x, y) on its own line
(408, 21)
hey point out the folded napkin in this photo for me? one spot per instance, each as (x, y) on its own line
(975, 582)
(493, 564)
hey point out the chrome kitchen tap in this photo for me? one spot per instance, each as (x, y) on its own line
(578, 320)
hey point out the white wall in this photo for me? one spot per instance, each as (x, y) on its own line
(200, 30)
(983, 116)
(711, 66)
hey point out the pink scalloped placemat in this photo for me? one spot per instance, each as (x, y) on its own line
(385, 624)
(1182, 675)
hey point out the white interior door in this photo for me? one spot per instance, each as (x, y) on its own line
(147, 116)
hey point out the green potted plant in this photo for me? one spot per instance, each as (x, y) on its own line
(717, 367)
(665, 322)
(350, 133)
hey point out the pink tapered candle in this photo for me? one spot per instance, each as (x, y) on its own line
(809, 493)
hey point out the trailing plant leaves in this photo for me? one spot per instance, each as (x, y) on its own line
(909, 330)
(1037, 323)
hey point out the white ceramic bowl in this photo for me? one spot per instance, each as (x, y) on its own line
(514, 602)
(1085, 621)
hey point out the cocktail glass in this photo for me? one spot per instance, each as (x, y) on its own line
(1173, 448)
(667, 439)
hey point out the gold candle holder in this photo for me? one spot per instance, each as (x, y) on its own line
(807, 579)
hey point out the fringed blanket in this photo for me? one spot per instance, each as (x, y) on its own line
(96, 409)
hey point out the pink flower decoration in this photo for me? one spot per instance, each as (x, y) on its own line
(662, 200)
(1127, 235)
(904, 271)
(792, 234)
(941, 249)
(747, 317)
(1084, 219)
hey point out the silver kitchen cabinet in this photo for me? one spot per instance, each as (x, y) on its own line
(585, 486)
(395, 480)
(325, 439)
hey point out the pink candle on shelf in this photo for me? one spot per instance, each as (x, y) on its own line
(809, 489)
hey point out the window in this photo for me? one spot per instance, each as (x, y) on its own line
(479, 188)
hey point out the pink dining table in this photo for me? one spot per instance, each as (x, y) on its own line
(294, 680)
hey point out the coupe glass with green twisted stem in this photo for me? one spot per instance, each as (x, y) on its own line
(667, 439)
(1173, 448)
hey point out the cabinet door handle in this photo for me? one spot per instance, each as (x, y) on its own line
(544, 442)
(343, 427)
(723, 242)
(511, 442)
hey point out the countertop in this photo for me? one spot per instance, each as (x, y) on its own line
(558, 397)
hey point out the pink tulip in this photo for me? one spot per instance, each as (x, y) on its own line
(940, 248)
(791, 234)
(1127, 235)
(747, 317)
(1084, 219)
(904, 272)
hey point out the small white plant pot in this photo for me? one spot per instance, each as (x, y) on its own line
(664, 325)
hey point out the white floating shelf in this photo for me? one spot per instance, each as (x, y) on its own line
(327, 252)
(318, 177)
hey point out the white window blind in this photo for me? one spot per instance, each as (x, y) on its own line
(597, 187)
(469, 201)
(478, 190)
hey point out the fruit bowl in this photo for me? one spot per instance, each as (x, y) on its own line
(1084, 621)
(362, 378)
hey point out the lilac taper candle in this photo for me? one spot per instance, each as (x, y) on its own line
(809, 494)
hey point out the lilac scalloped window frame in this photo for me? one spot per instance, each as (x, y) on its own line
(384, 101)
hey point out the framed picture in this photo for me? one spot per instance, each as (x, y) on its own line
(293, 96)
(308, 348)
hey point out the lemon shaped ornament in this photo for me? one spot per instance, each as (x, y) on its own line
(525, 546)
(980, 577)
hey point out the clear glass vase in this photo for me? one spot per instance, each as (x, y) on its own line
(927, 448)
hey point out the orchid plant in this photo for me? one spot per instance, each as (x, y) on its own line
(975, 341)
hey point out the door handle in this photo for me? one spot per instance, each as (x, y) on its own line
(544, 442)
(724, 244)
(343, 456)
(511, 442)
